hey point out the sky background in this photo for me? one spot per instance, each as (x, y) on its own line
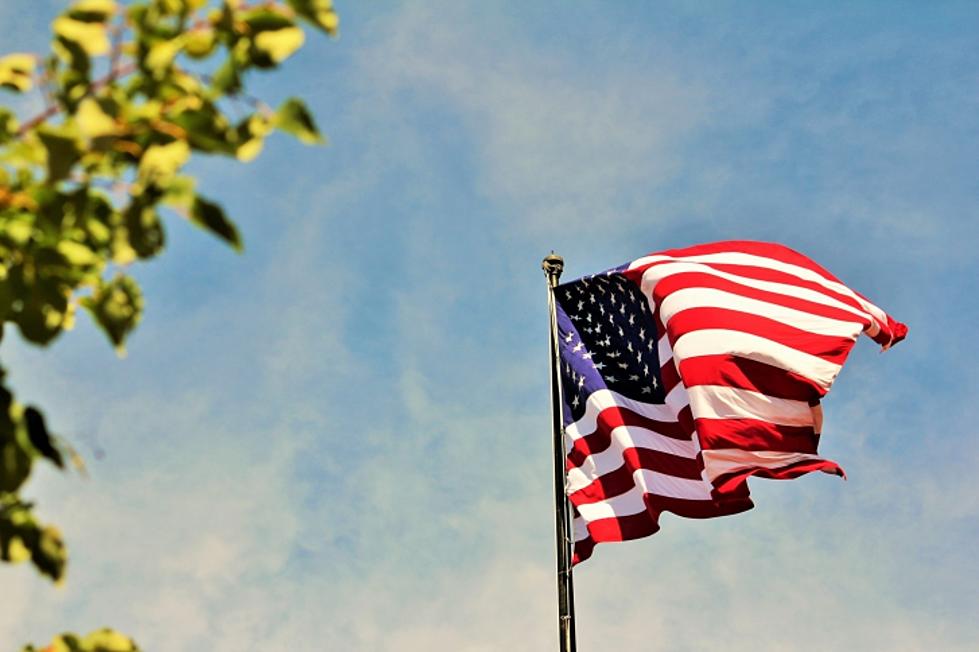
(340, 440)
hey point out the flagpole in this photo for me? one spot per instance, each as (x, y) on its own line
(553, 265)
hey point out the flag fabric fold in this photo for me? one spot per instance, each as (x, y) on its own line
(687, 371)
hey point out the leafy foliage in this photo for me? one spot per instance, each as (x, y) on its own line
(103, 640)
(132, 93)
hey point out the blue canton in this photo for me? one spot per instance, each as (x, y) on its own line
(608, 340)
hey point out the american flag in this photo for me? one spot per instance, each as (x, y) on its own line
(687, 371)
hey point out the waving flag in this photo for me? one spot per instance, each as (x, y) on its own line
(689, 370)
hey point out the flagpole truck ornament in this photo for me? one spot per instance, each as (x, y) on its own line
(687, 371)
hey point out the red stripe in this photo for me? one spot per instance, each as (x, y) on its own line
(669, 374)
(755, 435)
(733, 481)
(743, 373)
(828, 347)
(890, 333)
(765, 249)
(643, 524)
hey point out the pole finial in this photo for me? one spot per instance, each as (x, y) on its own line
(553, 265)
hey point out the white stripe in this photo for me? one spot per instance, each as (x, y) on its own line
(717, 341)
(697, 297)
(720, 402)
(651, 482)
(579, 529)
(655, 274)
(677, 399)
(623, 438)
(741, 258)
(719, 461)
(606, 398)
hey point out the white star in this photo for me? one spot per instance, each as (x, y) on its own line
(577, 347)
(628, 346)
(612, 299)
(633, 377)
(610, 379)
(646, 390)
(569, 337)
(614, 354)
(581, 382)
(622, 309)
(655, 384)
(574, 402)
(632, 319)
(598, 365)
(586, 356)
(642, 334)
(623, 365)
(581, 304)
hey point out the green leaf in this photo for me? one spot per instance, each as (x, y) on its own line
(144, 231)
(92, 121)
(17, 230)
(264, 18)
(22, 537)
(211, 217)
(180, 193)
(92, 11)
(161, 162)
(251, 136)
(40, 438)
(279, 44)
(294, 118)
(8, 125)
(117, 307)
(161, 55)
(227, 78)
(319, 12)
(200, 43)
(15, 461)
(77, 254)
(62, 149)
(17, 71)
(41, 308)
(107, 640)
(207, 129)
(103, 640)
(91, 37)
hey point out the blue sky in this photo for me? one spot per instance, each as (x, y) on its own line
(340, 439)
